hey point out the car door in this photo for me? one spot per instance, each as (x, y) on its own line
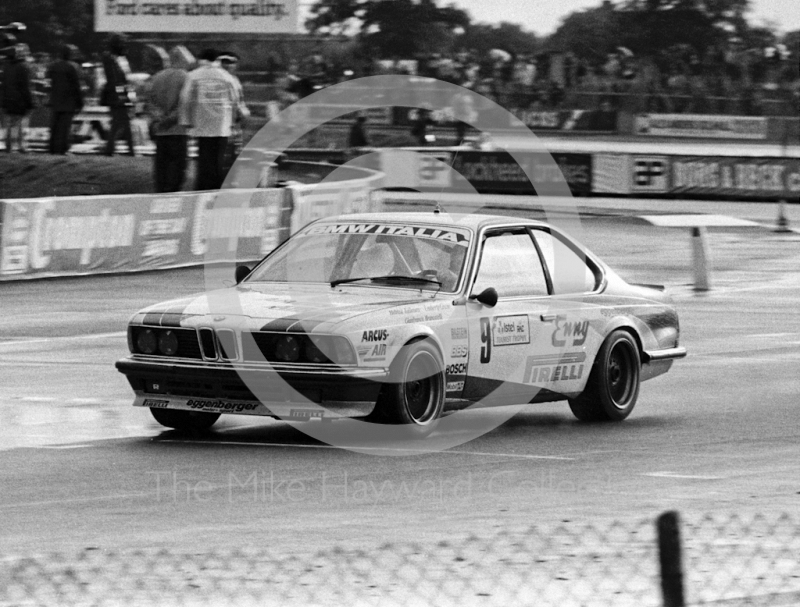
(575, 323)
(502, 338)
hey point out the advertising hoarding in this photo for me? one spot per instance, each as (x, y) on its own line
(499, 172)
(702, 125)
(736, 177)
(97, 234)
(198, 16)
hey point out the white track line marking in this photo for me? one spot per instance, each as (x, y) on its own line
(771, 335)
(357, 448)
(79, 446)
(52, 399)
(76, 500)
(49, 363)
(513, 455)
(740, 356)
(36, 399)
(73, 402)
(683, 476)
(727, 290)
(41, 340)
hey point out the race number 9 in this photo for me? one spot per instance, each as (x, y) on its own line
(486, 340)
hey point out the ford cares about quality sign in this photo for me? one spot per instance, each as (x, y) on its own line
(210, 16)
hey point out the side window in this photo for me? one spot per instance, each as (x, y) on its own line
(510, 263)
(569, 271)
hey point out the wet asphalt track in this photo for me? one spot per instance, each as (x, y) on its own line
(82, 468)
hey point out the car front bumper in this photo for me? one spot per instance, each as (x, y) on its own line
(284, 391)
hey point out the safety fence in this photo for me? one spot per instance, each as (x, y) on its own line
(710, 560)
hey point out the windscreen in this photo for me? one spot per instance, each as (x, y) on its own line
(329, 253)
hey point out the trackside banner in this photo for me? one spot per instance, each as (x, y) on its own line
(701, 125)
(736, 177)
(498, 172)
(193, 16)
(310, 202)
(97, 234)
(494, 171)
(536, 120)
(568, 120)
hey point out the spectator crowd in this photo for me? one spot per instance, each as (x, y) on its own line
(203, 98)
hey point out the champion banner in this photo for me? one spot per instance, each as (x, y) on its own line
(736, 177)
(89, 235)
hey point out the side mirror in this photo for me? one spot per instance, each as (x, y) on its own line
(242, 272)
(488, 297)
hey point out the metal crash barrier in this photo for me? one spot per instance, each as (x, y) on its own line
(698, 226)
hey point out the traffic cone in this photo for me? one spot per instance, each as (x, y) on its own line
(701, 259)
(782, 226)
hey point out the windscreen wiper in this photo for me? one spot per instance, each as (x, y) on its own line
(343, 281)
(392, 278)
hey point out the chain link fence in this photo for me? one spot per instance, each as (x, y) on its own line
(726, 561)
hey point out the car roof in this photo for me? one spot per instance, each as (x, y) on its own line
(475, 221)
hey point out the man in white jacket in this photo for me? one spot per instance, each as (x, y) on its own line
(209, 100)
(229, 61)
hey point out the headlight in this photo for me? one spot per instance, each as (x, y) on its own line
(287, 349)
(345, 355)
(146, 341)
(329, 349)
(313, 353)
(168, 343)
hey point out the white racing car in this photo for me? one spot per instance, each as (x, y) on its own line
(399, 317)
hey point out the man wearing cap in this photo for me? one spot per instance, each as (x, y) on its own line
(170, 136)
(207, 104)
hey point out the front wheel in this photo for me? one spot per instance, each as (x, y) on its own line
(414, 396)
(185, 421)
(613, 385)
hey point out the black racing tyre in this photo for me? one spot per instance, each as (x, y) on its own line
(185, 421)
(613, 385)
(415, 391)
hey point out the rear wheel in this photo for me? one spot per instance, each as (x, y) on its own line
(613, 385)
(185, 421)
(414, 394)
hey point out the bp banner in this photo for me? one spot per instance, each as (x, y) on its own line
(99, 234)
(197, 16)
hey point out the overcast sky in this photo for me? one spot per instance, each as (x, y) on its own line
(544, 16)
